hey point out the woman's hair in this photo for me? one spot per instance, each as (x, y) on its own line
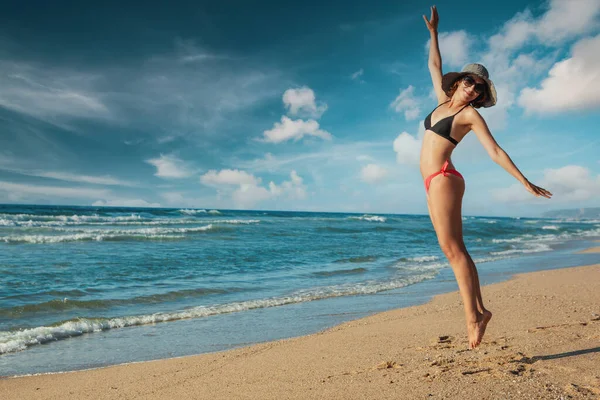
(477, 103)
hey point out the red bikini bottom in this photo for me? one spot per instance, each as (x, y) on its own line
(444, 171)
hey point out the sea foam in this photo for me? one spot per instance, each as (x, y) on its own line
(13, 341)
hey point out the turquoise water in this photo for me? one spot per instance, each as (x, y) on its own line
(87, 286)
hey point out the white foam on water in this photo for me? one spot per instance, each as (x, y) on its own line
(147, 222)
(13, 341)
(81, 219)
(370, 218)
(192, 211)
(423, 258)
(100, 235)
(530, 248)
(215, 212)
(420, 267)
(551, 227)
(236, 221)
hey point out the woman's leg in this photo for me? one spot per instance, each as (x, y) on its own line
(445, 202)
(487, 315)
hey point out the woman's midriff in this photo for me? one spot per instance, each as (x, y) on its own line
(435, 151)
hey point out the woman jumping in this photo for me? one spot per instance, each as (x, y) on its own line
(459, 94)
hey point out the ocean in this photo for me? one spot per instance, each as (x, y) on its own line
(84, 287)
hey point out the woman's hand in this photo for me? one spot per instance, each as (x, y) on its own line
(432, 24)
(537, 191)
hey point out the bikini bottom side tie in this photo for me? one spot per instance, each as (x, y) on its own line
(444, 171)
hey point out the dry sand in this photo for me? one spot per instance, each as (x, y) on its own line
(542, 343)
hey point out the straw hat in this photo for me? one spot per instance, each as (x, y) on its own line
(472, 69)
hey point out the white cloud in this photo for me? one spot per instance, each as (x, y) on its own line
(364, 157)
(563, 20)
(228, 177)
(514, 33)
(454, 47)
(179, 91)
(568, 184)
(170, 167)
(356, 76)
(125, 203)
(249, 192)
(407, 148)
(512, 72)
(50, 93)
(566, 19)
(407, 102)
(496, 117)
(372, 173)
(572, 183)
(248, 195)
(24, 191)
(65, 176)
(342, 153)
(572, 84)
(293, 189)
(188, 52)
(301, 101)
(294, 129)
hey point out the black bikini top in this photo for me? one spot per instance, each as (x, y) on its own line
(443, 126)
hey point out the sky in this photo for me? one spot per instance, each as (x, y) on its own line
(300, 106)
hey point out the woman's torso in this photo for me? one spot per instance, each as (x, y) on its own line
(437, 148)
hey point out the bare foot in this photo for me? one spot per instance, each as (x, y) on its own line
(475, 330)
(487, 315)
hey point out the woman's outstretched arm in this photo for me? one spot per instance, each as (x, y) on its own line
(435, 59)
(498, 155)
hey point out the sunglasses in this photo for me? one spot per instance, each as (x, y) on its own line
(469, 81)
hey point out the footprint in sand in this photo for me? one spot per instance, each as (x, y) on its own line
(443, 342)
(388, 365)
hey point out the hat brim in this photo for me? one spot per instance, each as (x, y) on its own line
(490, 93)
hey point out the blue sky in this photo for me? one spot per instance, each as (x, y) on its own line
(289, 105)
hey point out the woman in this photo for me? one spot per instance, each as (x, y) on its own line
(458, 94)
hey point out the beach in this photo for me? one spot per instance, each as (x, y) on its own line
(542, 343)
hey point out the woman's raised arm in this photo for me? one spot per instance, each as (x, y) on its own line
(435, 59)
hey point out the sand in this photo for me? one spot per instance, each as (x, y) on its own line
(592, 250)
(542, 343)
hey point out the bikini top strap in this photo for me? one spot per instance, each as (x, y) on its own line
(462, 109)
(438, 106)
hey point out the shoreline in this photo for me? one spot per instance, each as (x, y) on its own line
(298, 359)
(319, 314)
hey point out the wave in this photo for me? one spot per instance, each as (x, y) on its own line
(13, 341)
(486, 221)
(108, 235)
(551, 227)
(191, 211)
(420, 259)
(67, 218)
(549, 237)
(67, 304)
(532, 248)
(574, 221)
(352, 271)
(339, 230)
(118, 221)
(370, 218)
(361, 259)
